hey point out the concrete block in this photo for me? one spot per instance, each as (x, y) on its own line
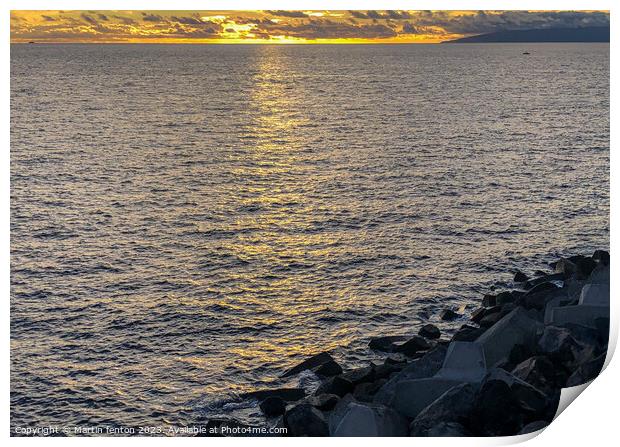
(464, 362)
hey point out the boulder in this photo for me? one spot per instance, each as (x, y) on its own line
(455, 405)
(387, 369)
(496, 412)
(273, 406)
(412, 396)
(600, 275)
(538, 371)
(359, 375)
(464, 362)
(559, 345)
(538, 297)
(448, 315)
(505, 403)
(514, 328)
(584, 315)
(413, 345)
(601, 256)
(489, 301)
(328, 369)
(305, 420)
(544, 278)
(530, 399)
(520, 277)
(479, 314)
(369, 420)
(504, 298)
(577, 266)
(595, 295)
(287, 394)
(426, 366)
(533, 426)
(429, 331)
(385, 343)
(467, 333)
(587, 371)
(490, 319)
(323, 402)
(365, 392)
(335, 385)
(312, 362)
(395, 359)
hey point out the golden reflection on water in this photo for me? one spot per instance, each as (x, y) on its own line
(273, 173)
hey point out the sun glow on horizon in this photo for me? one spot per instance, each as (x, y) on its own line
(279, 27)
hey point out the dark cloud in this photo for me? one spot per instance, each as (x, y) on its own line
(408, 28)
(327, 29)
(358, 14)
(152, 18)
(484, 22)
(102, 17)
(398, 15)
(48, 18)
(293, 14)
(125, 20)
(89, 19)
(187, 20)
(373, 15)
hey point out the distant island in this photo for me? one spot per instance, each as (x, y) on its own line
(585, 34)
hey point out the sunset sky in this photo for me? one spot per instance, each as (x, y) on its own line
(282, 26)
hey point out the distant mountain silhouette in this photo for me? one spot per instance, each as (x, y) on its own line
(585, 34)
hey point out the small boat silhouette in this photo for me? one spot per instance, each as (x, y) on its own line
(525, 52)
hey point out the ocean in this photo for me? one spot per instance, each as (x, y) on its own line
(187, 221)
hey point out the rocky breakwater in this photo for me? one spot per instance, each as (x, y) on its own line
(500, 374)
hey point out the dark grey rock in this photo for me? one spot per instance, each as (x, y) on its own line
(533, 426)
(496, 412)
(385, 343)
(538, 371)
(578, 266)
(520, 276)
(335, 385)
(489, 320)
(370, 421)
(601, 256)
(413, 345)
(273, 406)
(426, 366)
(489, 301)
(287, 394)
(478, 314)
(312, 362)
(504, 298)
(395, 359)
(324, 402)
(365, 392)
(328, 369)
(544, 278)
(305, 420)
(386, 370)
(359, 375)
(455, 405)
(587, 371)
(448, 315)
(430, 331)
(467, 333)
(558, 344)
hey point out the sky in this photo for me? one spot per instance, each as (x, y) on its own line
(282, 26)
